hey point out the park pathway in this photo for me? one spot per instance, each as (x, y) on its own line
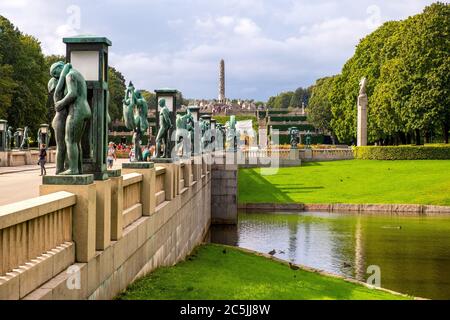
(21, 183)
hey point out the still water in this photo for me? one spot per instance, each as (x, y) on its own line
(413, 252)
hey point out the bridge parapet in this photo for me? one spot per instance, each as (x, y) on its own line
(151, 215)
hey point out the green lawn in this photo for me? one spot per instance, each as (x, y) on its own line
(216, 272)
(352, 181)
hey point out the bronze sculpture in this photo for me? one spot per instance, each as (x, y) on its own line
(294, 137)
(135, 110)
(72, 111)
(165, 126)
(25, 139)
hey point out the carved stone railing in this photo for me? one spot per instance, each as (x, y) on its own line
(160, 193)
(35, 241)
(132, 204)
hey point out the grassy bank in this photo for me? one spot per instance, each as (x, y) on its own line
(216, 272)
(352, 181)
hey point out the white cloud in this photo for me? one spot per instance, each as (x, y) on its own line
(247, 28)
(268, 46)
(225, 20)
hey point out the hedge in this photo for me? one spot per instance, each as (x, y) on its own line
(403, 153)
(301, 127)
(288, 118)
(286, 139)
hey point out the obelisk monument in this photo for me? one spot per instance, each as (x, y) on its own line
(222, 82)
(362, 114)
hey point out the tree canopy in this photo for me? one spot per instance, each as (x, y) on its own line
(407, 64)
(290, 99)
(23, 78)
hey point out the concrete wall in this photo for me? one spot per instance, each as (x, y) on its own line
(224, 193)
(103, 254)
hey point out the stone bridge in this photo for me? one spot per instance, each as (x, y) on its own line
(92, 239)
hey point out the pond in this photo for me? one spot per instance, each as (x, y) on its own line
(412, 252)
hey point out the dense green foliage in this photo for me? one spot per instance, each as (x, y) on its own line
(117, 89)
(23, 78)
(290, 99)
(225, 273)
(287, 118)
(434, 152)
(285, 127)
(407, 64)
(319, 109)
(286, 139)
(353, 181)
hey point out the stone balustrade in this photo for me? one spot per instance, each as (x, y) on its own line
(17, 158)
(35, 242)
(290, 157)
(103, 234)
(132, 206)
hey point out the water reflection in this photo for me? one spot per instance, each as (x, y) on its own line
(412, 252)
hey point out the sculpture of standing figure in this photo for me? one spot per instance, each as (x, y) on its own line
(59, 121)
(294, 137)
(135, 110)
(363, 86)
(231, 134)
(204, 128)
(220, 133)
(72, 112)
(184, 125)
(25, 139)
(362, 113)
(9, 138)
(308, 140)
(165, 126)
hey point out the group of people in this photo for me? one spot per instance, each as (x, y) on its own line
(147, 152)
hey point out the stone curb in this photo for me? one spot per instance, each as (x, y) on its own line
(322, 272)
(25, 170)
(413, 209)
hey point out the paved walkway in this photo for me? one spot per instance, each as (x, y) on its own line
(21, 183)
(31, 167)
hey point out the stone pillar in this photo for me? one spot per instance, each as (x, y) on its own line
(103, 214)
(197, 167)
(362, 120)
(294, 154)
(171, 180)
(187, 172)
(147, 169)
(222, 81)
(116, 204)
(83, 215)
(224, 193)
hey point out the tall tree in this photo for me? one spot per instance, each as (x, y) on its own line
(117, 88)
(319, 106)
(25, 83)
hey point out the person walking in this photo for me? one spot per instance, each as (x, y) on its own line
(43, 159)
(111, 155)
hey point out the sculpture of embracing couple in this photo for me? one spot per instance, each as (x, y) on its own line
(69, 91)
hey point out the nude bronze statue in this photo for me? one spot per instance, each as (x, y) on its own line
(72, 112)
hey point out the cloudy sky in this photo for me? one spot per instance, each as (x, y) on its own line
(268, 46)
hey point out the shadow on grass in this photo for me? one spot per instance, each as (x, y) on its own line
(252, 183)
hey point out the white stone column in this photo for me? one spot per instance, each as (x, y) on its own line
(362, 120)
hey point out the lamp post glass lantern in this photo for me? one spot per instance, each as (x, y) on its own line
(89, 55)
(3, 133)
(44, 135)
